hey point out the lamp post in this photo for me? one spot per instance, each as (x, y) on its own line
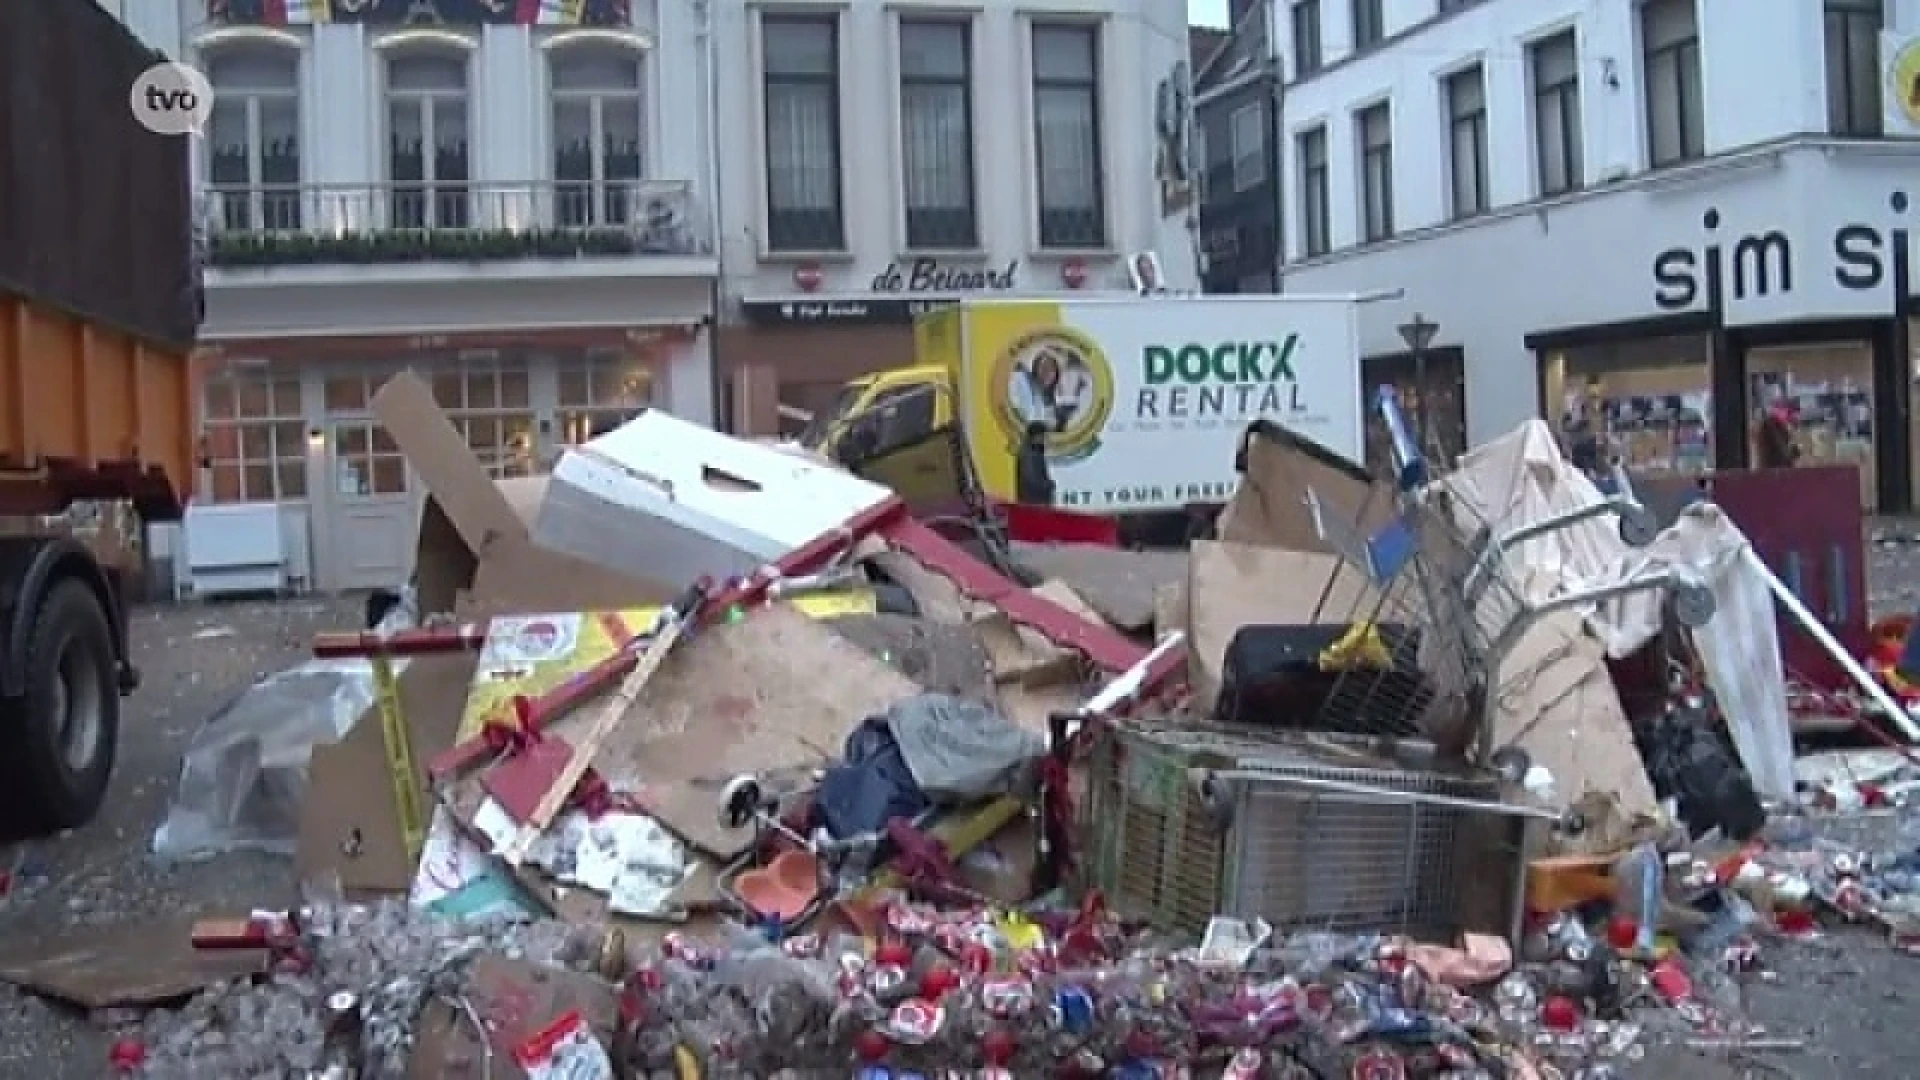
(1418, 334)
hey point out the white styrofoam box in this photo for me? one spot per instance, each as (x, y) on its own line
(669, 501)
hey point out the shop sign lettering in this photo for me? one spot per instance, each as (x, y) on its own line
(928, 275)
(1762, 263)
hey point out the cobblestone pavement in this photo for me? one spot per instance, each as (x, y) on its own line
(1846, 994)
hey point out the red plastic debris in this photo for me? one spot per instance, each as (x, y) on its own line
(126, 1055)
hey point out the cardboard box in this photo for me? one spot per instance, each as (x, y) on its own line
(475, 554)
(685, 501)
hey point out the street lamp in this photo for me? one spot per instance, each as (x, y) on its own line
(1418, 334)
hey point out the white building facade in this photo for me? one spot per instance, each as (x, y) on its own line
(879, 156)
(1656, 217)
(509, 198)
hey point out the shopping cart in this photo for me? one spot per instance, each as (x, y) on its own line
(1443, 605)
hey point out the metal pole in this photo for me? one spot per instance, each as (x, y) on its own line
(1818, 631)
(1426, 406)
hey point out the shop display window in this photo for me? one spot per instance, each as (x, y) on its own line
(1648, 402)
(1824, 393)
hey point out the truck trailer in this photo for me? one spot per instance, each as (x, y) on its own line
(99, 309)
(1125, 407)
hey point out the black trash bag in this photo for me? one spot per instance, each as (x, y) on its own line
(870, 786)
(1689, 761)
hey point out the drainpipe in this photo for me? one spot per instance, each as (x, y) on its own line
(1276, 95)
(709, 53)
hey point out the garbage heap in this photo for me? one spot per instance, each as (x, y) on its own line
(700, 758)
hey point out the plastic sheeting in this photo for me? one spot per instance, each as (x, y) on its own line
(245, 772)
(1522, 478)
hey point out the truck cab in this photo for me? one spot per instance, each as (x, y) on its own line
(894, 428)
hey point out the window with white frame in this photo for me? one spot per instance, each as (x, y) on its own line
(1249, 133)
(1374, 128)
(365, 458)
(428, 129)
(1369, 23)
(936, 133)
(1307, 57)
(1555, 70)
(1853, 66)
(253, 137)
(1067, 135)
(800, 59)
(255, 441)
(597, 133)
(1670, 52)
(485, 393)
(598, 390)
(1466, 97)
(1316, 207)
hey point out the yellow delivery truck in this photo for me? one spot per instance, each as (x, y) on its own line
(1124, 406)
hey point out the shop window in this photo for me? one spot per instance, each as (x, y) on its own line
(256, 442)
(1824, 392)
(366, 460)
(600, 390)
(1442, 400)
(486, 396)
(1647, 402)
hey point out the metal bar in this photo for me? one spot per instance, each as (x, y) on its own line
(1824, 637)
(419, 641)
(1417, 798)
(1554, 523)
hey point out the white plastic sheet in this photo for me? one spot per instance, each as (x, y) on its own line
(1522, 478)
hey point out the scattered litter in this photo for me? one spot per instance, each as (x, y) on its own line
(1470, 773)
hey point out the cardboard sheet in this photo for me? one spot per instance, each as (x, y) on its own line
(1235, 585)
(349, 823)
(1557, 702)
(743, 697)
(136, 965)
(1270, 507)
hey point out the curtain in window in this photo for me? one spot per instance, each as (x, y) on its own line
(801, 166)
(936, 151)
(1068, 134)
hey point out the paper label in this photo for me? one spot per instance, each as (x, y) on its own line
(566, 1050)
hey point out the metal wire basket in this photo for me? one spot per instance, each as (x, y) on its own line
(1444, 607)
(1179, 825)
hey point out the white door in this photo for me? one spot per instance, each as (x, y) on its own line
(371, 515)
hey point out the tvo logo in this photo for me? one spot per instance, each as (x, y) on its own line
(172, 99)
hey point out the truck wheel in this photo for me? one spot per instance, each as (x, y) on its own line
(67, 725)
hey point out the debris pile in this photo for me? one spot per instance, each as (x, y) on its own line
(701, 759)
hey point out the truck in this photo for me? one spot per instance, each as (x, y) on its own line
(1130, 407)
(99, 311)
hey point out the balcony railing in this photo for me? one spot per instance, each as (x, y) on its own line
(279, 225)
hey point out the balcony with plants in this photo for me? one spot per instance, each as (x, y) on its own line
(276, 225)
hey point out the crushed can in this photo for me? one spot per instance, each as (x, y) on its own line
(1245, 1065)
(1378, 1063)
